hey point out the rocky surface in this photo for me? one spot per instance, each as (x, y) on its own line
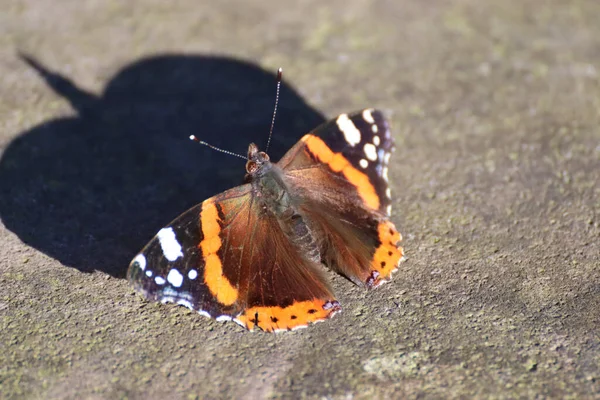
(495, 109)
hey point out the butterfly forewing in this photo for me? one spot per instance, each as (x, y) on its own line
(171, 268)
(227, 259)
(357, 146)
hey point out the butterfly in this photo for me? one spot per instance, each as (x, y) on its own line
(254, 254)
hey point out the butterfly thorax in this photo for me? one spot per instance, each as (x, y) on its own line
(273, 194)
(267, 183)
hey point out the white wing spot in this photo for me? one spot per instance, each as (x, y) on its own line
(363, 163)
(370, 151)
(223, 318)
(351, 134)
(239, 322)
(388, 210)
(376, 140)
(204, 313)
(388, 193)
(169, 244)
(387, 158)
(175, 278)
(149, 274)
(368, 116)
(384, 173)
(374, 128)
(295, 328)
(185, 303)
(141, 260)
(159, 280)
(193, 274)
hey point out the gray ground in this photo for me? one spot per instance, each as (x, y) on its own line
(495, 108)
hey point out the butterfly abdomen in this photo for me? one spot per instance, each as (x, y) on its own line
(300, 234)
(275, 195)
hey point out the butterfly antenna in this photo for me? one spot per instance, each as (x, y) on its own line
(279, 74)
(231, 153)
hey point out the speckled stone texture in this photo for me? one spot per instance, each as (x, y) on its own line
(496, 182)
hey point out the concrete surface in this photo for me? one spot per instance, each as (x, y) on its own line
(495, 108)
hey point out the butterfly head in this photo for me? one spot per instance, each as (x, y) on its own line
(257, 160)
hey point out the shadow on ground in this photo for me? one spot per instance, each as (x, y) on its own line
(92, 189)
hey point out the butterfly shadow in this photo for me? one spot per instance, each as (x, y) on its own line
(91, 189)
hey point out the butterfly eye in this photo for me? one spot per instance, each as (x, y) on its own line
(251, 167)
(262, 156)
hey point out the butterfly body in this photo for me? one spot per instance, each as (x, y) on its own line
(254, 254)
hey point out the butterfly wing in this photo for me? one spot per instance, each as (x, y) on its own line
(227, 259)
(357, 148)
(340, 173)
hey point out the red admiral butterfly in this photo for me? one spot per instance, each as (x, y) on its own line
(253, 254)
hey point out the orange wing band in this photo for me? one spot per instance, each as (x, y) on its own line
(388, 255)
(338, 163)
(217, 283)
(298, 315)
